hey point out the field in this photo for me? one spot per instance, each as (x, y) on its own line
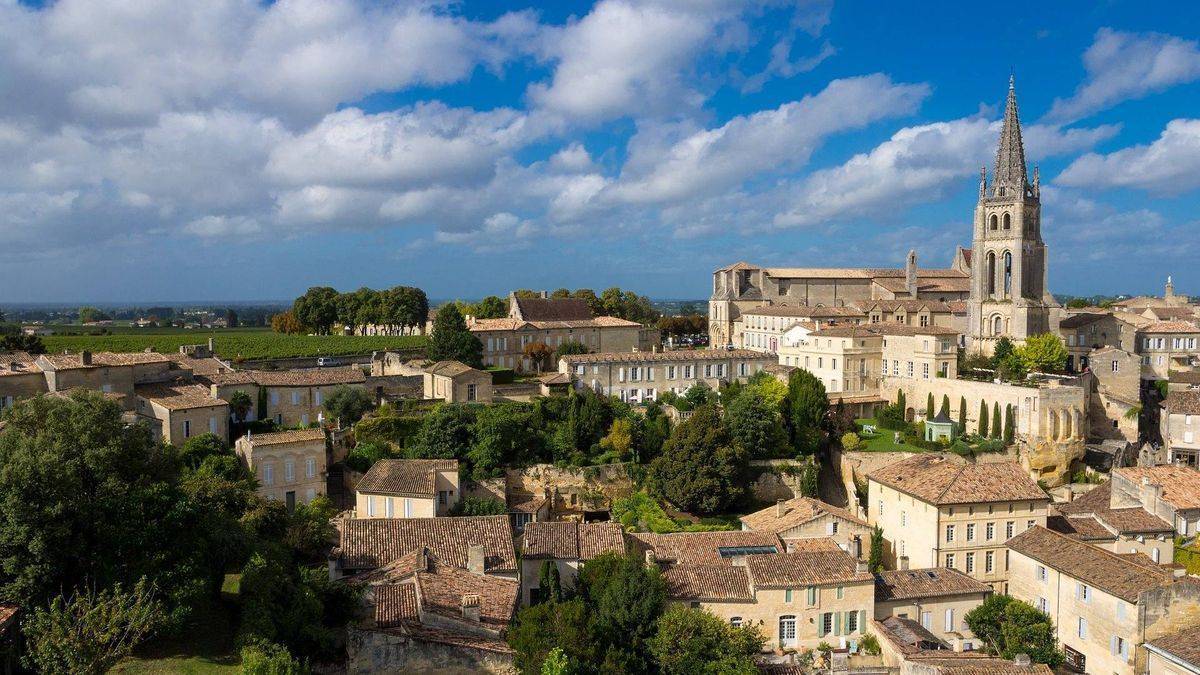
(231, 344)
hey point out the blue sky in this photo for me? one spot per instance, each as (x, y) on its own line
(230, 149)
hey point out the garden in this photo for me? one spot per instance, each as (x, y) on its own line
(891, 431)
(236, 344)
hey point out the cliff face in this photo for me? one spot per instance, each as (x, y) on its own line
(1050, 461)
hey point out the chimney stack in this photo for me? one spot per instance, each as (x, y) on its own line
(910, 274)
(860, 566)
(780, 508)
(470, 607)
(1022, 660)
(475, 559)
(651, 559)
(85, 357)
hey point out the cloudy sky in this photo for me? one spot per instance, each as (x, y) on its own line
(242, 150)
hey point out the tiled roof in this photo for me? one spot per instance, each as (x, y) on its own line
(1185, 376)
(712, 583)
(804, 568)
(1167, 313)
(797, 511)
(571, 541)
(179, 396)
(1170, 327)
(882, 328)
(233, 378)
(450, 368)
(100, 360)
(1183, 645)
(944, 285)
(810, 544)
(925, 583)
(1126, 520)
(1180, 484)
(292, 436)
(524, 503)
(366, 543)
(1084, 528)
(941, 479)
(552, 309)
(908, 305)
(395, 604)
(1080, 320)
(205, 366)
(676, 355)
(805, 311)
(1184, 402)
(441, 589)
(483, 325)
(702, 547)
(1092, 565)
(982, 665)
(416, 477)
(18, 363)
(310, 377)
(911, 637)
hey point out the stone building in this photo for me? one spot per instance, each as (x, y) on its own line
(408, 488)
(182, 410)
(1181, 427)
(940, 511)
(1170, 492)
(642, 376)
(767, 328)
(803, 518)
(456, 382)
(908, 648)
(938, 598)
(1119, 525)
(1174, 654)
(289, 397)
(1103, 605)
(567, 546)
(290, 466)
(1166, 346)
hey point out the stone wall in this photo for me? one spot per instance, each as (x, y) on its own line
(856, 465)
(768, 483)
(376, 652)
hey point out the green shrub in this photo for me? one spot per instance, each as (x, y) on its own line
(479, 506)
(266, 658)
(364, 455)
(851, 441)
(990, 445)
(869, 644)
(502, 375)
(399, 430)
(892, 417)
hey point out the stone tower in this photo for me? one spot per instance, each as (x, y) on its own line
(1008, 266)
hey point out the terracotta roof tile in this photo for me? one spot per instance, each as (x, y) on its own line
(676, 355)
(367, 543)
(416, 477)
(484, 325)
(713, 583)
(291, 436)
(925, 583)
(179, 396)
(804, 568)
(1183, 402)
(1180, 484)
(571, 541)
(552, 309)
(1170, 327)
(1183, 645)
(1084, 528)
(1096, 503)
(704, 547)
(1092, 565)
(100, 360)
(797, 511)
(804, 311)
(394, 604)
(450, 368)
(309, 377)
(942, 479)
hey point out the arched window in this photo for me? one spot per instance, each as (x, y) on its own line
(1007, 222)
(997, 326)
(1007, 270)
(994, 221)
(1002, 191)
(787, 630)
(991, 272)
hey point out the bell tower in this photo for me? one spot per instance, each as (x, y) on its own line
(1008, 267)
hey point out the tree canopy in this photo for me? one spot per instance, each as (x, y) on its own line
(452, 341)
(1044, 353)
(700, 467)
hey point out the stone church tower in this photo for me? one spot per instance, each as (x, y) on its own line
(1008, 266)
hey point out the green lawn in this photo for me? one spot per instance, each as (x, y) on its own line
(230, 344)
(882, 441)
(204, 648)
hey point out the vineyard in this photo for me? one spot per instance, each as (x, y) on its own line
(232, 344)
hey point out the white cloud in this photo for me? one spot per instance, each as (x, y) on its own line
(918, 165)
(1169, 165)
(223, 226)
(500, 232)
(666, 169)
(1122, 66)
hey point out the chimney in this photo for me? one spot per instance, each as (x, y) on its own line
(470, 607)
(903, 562)
(425, 562)
(651, 559)
(860, 566)
(85, 357)
(910, 274)
(780, 508)
(1022, 660)
(475, 559)
(210, 346)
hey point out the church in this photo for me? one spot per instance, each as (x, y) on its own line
(997, 286)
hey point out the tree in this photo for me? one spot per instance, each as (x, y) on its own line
(1008, 627)
(231, 318)
(851, 441)
(89, 314)
(88, 631)
(692, 641)
(983, 419)
(557, 663)
(549, 583)
(945, 409)
(807, 408)
(491, 307)
(502, 436)
(240, 405)
(479, 506)
(547, 627)
(985, 620)
(538, 354)
(996, 424)
(348, 404)
(317, 309)
(569, 348)
(1002, 350)
(198, 448)
(755, 424)
(1043, 353)
(900, 399)
(286, 323)
(451, 341)
(700, 465)
(810, 479)
(446, 432)
(699, 394)
(20, 342)
(962, 415)
(929, 406)
(1009, 431)
(626, 599)
(618, 443)
(266, 658)
(875, 557)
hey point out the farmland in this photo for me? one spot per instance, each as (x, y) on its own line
(235, 343)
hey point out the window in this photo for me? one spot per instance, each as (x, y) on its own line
(317, 398)
(1083, 593)
(811, 596)
(949, 620)
(904, 519)
(949, 533)
(1120, 647)
(295, 398)
(443, 497)
(927, 620)
(989, 561)
(787, 595)
(471, 392)
(389, 507)
(735, 621)
(925, 370)
(970, 563)
(1116, 366)
(1041, 574)
(909, 369)
(671, 376)
(881, 507)
(841, 592)
(212, 425)
(268, 474)
(370, 507)
(787, 631)
(950, 561)
(1081, 629)
(408, 508)
(310, 467)
(1030, 523)
(1043, 605)
(990, 531)
(1008, 529)
(970, 531)
(708, 370)
(187, 428)
(826, 623)
(289, 471)
(851, 622)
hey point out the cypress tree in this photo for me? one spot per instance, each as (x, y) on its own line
(900, 399)
(1009, 423)
(996, 429)
(983, 419)
(945, 410)
(929, 406)
(962, 415)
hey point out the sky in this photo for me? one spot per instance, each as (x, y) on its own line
(239, 150)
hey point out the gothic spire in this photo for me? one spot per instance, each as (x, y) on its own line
(1010, 173)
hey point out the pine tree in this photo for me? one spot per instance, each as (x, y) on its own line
(945, 410)
(983, 419)
(962, 415)
(996, 428)
(1009, 431)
